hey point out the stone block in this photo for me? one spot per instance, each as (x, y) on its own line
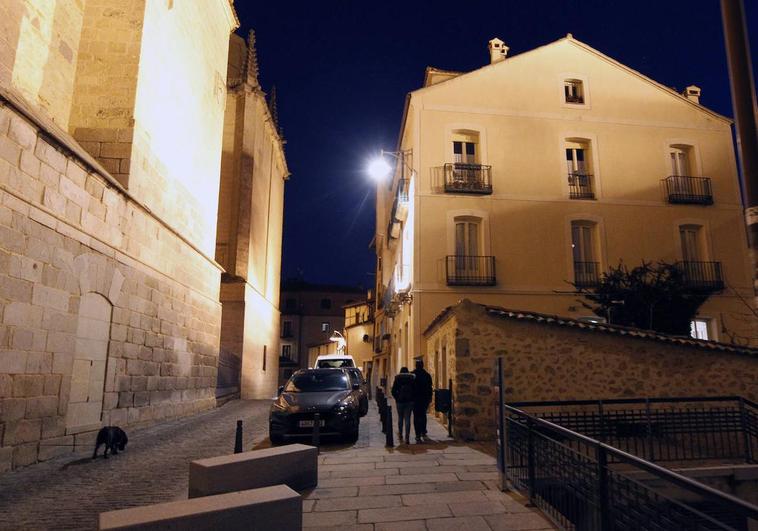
(28, 385)
(6, 386)
(46, 406)
(22, 133)
(6, 459)
(12, 409)
(55, 447)
(277, 507)
(52, 384)
(23, 314)
(22, 431)
(13, 361)
(141, 398)
(24, 454)
(125, 399)
(53, 427)
(295, 465)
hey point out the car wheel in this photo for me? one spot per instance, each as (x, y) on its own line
(352, 436)
(364, 408)
(275, 438)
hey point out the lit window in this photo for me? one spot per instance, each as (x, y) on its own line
(325, 327)
(699, 329)
(287, 352)
(574, 91)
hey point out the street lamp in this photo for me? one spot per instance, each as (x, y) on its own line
(340, 340)
(378, 168)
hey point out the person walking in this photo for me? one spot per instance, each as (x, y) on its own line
(402, 392)
(422, 397)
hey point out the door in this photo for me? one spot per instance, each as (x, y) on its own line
(583, 250)
(466, 247)
(679, 162)
(690, 239)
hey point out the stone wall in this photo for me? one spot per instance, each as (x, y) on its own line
(67, 232)
(544, 360)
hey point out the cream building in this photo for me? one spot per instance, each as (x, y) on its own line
(545, 168)
(111, 127)
(249, 233)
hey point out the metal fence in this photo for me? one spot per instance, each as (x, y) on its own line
(582, 483)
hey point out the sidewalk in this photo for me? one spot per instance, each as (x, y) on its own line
(441, 485)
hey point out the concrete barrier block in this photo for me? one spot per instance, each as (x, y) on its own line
(277, 507)
(294, 465)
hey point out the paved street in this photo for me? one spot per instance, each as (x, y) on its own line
(441, 485)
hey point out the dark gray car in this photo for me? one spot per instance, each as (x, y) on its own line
(356, 377)
(329, 392)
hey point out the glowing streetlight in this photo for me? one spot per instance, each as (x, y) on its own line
(378, 168)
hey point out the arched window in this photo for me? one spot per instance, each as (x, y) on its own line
(680, 157)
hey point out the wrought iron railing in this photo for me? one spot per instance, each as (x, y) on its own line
(468, 178)
(702, 275)
(574, 99)
(581, 483)
(662, 429)
(402, 190)
(682, 189)
(580, 186)
(464, 270)
(586, 274)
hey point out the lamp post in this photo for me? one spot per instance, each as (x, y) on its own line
(340, 340)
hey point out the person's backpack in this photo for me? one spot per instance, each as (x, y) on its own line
(405, 390)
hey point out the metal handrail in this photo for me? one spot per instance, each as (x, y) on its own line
(685, 189)
(742, 507)
(611, 401)
(466, 177)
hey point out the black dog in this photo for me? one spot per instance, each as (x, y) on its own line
(113, 437)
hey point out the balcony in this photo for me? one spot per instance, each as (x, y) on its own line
(470, 270)
(702, 276)
(586, 274)
(580, 186)
(464, 178)
(400, 205)
(684, 190)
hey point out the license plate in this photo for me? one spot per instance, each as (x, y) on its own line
(309, 423)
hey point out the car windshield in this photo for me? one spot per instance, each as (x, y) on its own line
(315, 381)
(334, 364)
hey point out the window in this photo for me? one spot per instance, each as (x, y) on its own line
(287, 352)
(573, 90)
(464, 152)
(264, 356)
(325, 327)
(326, 304)
(578, 170)
(584, 253)
(287, 329)
(679, 156)
(699, 328)
(466, 246)
(690, 237)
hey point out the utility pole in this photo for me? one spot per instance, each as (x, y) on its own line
(745, 108)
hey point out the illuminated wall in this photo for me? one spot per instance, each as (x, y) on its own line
(249, 233)
(517, 112)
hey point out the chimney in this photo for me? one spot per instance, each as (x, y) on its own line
(692, 93)
(498, 50)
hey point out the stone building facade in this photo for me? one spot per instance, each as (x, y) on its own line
(111, 120)
(249, 234)
(549, 358)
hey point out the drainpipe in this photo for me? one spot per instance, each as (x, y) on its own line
(744, 103)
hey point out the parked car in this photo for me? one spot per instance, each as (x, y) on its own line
(334, 361)
(356, 377)
(329, 392)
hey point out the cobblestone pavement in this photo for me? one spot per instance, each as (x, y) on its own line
(435, 486)
(69, 492)
(440, 485)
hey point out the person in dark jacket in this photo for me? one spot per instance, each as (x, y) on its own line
(402, 392)
(422, 397)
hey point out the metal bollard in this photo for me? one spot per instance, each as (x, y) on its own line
(383, 414)
(388, 429)
(316, 436)
(238, 438)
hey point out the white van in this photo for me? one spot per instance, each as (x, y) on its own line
(334, 361)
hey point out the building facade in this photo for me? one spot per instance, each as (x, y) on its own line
(111, 121)
(542, 170)
(310, 314)
(249, 233)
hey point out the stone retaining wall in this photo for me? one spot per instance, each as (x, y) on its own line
(546, 361)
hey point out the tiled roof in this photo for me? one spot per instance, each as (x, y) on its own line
(556, 320)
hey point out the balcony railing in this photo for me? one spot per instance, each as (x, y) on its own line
(574, 99)
(580, 186)
(682, 189)
(467, 178)
(464, 270)
(586, 274)
(702, 275)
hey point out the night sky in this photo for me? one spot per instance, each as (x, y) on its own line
(342, 69)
